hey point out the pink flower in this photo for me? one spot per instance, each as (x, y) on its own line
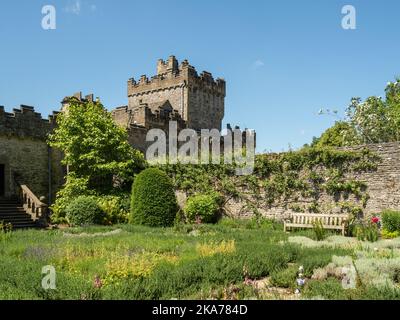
(375, 220)
(97, 282)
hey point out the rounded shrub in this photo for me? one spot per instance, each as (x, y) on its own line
(204, 207)
(84, 210)
(391, 220)
(153, 201)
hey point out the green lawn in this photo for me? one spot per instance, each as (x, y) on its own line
(230, 260)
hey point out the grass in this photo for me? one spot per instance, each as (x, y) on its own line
(185, 262)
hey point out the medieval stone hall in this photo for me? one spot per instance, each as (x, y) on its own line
(28, 166)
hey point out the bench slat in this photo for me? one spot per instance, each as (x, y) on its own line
(312, 226)
(307, 220)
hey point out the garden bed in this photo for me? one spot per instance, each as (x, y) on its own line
(229, 260)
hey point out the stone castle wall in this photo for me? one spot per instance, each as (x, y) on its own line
(170, 90)
(176, 93)
(207, 101)
(25, 154)
(383, 187)
(199, 99)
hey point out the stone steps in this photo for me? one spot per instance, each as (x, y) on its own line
(12, 211)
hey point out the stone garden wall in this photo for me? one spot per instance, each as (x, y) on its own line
(383, 188)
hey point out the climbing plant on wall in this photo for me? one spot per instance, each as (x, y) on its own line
(284, 179)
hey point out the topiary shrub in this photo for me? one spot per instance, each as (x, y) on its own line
(391, 220)
(84, 210)
(204, 207)
(153, 201)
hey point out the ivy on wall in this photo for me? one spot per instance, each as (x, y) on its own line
(286, 180)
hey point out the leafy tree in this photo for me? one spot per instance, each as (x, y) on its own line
(94, 147)
(393, 101)
(371, 120)
(374, 120)
(340, 135)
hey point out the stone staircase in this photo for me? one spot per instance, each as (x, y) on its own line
(12, 211)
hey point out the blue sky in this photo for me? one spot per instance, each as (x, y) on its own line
(282, 60)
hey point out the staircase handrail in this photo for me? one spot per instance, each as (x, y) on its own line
(32, 205)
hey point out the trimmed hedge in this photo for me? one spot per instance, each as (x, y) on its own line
(153, 199)
(84, 210)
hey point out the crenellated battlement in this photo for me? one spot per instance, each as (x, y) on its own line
(172, 75)
(144, 116)
(78, 96)
(199, 98)
(158, 119)
(25, 122)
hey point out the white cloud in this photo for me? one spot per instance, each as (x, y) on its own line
(258, 64)
(74, 7)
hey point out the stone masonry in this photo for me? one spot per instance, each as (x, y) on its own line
(199, 99)
(176, 93)
(383, 187)
(25, 157)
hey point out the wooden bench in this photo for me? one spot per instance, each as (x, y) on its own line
(307, 220)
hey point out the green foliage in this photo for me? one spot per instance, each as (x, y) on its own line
(374, 120)
(116, 208)
(391, 220)
(339, 135)
(5, 227)
(381, 293)
(138, 262)
(296, 208)
(319, 230)
(73, 188)
(266, 261)
(99, 157)
(5, 230)
(281, 178)
(314, 207)
(153, 199)
(319, 257)
(204, 207)
(335, 186)
(84, 210)
(94, 147)
(389, 235)
(285, 278)
(330, 288)
(253, 223)
(366, 232)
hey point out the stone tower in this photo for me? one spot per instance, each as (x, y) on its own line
(199, 99)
